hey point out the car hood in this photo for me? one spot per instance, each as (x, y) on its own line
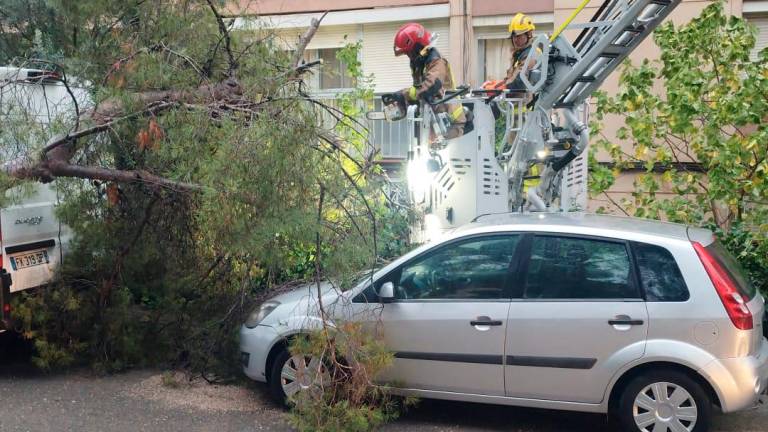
(307, 293)
(302, 302)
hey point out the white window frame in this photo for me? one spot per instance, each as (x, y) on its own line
(314, 54)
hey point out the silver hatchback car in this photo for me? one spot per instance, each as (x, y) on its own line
(652, 322)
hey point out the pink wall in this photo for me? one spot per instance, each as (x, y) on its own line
(508, 7)
(479, 7)
(274, 7)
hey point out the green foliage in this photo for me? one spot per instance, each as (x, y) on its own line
(750, 248)
(349, 401)
(159, 277)
(49, 320)
(393, 233)
(339, 416)
(29, 28)
(700, 141)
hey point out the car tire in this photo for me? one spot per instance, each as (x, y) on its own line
(308, 373)
(660, 398)
(275, 383)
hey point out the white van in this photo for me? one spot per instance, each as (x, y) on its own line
(32, 240)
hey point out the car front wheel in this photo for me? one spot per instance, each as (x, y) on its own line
(664, 401)
(295, 375)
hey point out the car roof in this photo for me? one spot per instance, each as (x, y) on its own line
(559, 222)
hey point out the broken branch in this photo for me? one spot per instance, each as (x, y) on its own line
(227, 40)
(50, 169)
(305, 38)
(154, 108)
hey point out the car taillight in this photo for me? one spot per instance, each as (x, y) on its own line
(7, 309)
(734, 302)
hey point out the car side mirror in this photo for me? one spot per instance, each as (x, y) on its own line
(387, 292)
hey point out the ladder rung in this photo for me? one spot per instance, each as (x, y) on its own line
(583, 79)
(615, 49)
(636, 30)
(661, 2)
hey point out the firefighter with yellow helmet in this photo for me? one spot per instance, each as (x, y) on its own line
(521, 29)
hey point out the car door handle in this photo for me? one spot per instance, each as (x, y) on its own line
(485, 321)
(625, 320)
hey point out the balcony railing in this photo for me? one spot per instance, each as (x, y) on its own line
(390, 139)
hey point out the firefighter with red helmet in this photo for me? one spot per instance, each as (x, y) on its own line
(432, 76)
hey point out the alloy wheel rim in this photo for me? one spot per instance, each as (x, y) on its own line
(303, 374)
(664, 407)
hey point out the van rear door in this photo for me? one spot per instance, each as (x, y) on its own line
(32, 239)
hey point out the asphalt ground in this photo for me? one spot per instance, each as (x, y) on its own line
(151, 400)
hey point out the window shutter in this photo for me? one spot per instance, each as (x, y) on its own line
(393, 73)
(761, 22)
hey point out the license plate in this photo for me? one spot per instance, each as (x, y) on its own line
(29, 259)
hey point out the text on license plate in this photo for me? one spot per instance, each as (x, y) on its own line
(29, 260)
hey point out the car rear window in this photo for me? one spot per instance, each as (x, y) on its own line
(660, 276)
(578, 268)
(734, 269)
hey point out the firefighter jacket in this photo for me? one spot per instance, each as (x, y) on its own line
(512, 81)
(431, 78)
(517, 90)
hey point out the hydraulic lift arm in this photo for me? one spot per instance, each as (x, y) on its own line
(453, 181)
(563, 76)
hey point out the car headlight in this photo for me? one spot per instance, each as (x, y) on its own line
(260, 313)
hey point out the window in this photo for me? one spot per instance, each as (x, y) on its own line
(473, 269)
(333, 72)
(369, 294)
(760, 21)
(575, 268)
(659, 274)
(495, 58)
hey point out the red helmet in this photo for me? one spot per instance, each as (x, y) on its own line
(409, 37)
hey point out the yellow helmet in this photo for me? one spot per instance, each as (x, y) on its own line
(520, 24)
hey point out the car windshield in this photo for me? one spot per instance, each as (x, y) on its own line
(364, 275)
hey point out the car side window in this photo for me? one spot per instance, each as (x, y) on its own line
(369, 294)
(469, 269)
(659, 274)
(578, 268)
